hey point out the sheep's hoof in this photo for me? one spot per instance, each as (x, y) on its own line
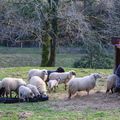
(107, 91)
(69, 98)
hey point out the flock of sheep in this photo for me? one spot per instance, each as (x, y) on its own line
(39, 80)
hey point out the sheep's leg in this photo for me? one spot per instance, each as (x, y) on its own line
(65, 86)
(87, 92)
(3, 94)
(10, 94)
(7, 94)
(107, 91)
(49, 90)
(55, 88)
(112, 89)
(69, 95)
(16, 94)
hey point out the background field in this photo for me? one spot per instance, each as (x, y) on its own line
(11, 57)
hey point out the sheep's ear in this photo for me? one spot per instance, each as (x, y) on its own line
(99, 75)
(59, 79)
(45, 72)
(72, 73)
(31, 94)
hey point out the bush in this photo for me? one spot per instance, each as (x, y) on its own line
(98, 62)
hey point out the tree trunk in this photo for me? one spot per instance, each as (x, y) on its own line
(45, 45)
(51, 61)
(117, 57)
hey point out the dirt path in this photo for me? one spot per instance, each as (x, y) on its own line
(96, 100)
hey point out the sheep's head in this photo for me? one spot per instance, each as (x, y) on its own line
(60, 69)
(31, 95)
(58, 79)
(45, 75)
(21, 82)
(72, 74)
(97, 75)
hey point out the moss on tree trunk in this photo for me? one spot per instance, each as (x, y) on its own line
(45, 44)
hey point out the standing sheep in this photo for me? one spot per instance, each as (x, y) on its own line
(111, 79)
(80, 84)
(25, 93)
(33, 89)
(36, 72)
(59, 70)
(12, 84)
(39, 83)
(64, 77)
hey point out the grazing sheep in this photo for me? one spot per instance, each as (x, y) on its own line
(64, 77)
(34, 89)
(111, 79)
(25, 93)
(36, 72)
(80, 84)
(12, 84)
(39, 83)
(52, 84)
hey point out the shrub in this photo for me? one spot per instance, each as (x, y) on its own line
(97, 62)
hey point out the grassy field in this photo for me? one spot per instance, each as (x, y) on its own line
(45, 110)
(57, 108)
(13, 57)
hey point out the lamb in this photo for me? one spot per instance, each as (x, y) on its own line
(64, 77)
(52, 84)
(39, 83)
(12, 84)
(36, 72)
(111, 79)
(25, 93)
(82, 84)
(33, 89)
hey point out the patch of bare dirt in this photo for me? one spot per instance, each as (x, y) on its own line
(96, 100)
(1, 113)
(24, 115)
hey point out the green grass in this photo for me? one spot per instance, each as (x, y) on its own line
(13, 57)
(44, 110)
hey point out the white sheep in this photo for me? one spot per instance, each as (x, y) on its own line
(64, 77)
(12, 84)
(39, 83)
(82, 84)
(34, 89)
(25, 92)
(111, 79)
(36, 72)
(52, 84)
